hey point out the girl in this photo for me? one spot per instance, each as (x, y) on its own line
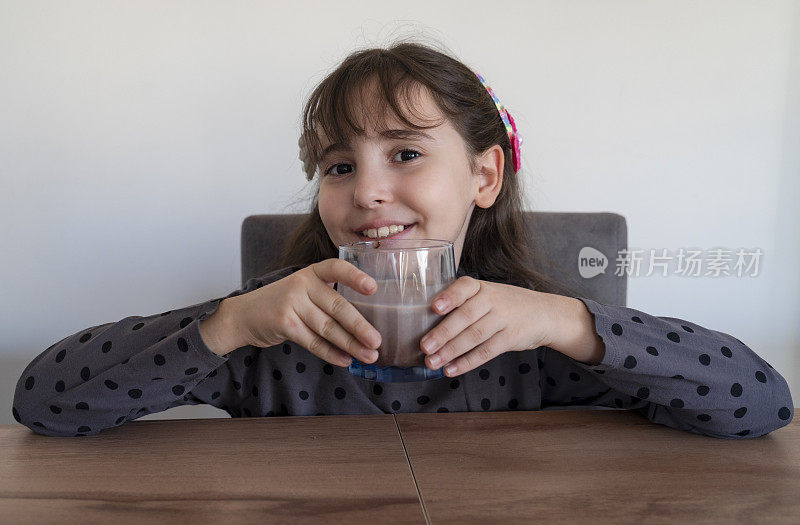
(405, 136)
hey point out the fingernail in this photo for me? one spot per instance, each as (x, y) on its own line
(368, 284)
(450, 369)
(440, 304)
(435, 360)
(428, 344)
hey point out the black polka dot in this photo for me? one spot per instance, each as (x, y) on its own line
(54, 409)
(422, 400)
(84, 428)
(339, 393)
(636, 319)
(740, 412)
(485, 404)
(513, 404)
(110, 384)
(185, 321)
(237, 385)
(159, 359)
(248, 360)
(300, 367)
(190, 371)
(60, 356)
(539, 363)
(85, 337)
(483, 374)
(138, 325)
(784, 413)
(630, 362)
(726, 351)
(616, 329)
(212, 374)
(156, 378)
(107, 347)
(162, 337)
(303, 395)
(125, 361)
(60, 386)
(29, 382)
(702, 390)
(183, 346)
(761, 377)
(276, 374)
(287, 348)
(82, 405)
(178, 390)
(652, 350)
(643, 393)
(328, 369)
(676, 403)
(119, 420)
(454, 384)
(677, 376)
(736, 390)
(377, 389)
(675, 338)
(395, 405)
(37, 424)
(501, 380)
(215, 395)
(524, 368)
(574, 376)
(599, 371)
(743, 432)
(704, 359)
(135, 393)
(166, 313)
(442, 409)
(688, 329)
(16, 414)
(704, 417)
(550, 381)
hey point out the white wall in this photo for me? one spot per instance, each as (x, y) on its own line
(136, 136)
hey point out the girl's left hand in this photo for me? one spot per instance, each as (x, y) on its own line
(483, 320)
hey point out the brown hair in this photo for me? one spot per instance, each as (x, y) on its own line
(495, 246)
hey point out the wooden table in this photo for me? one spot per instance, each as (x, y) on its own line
(566, 466)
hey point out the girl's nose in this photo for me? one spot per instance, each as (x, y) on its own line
(372, 186)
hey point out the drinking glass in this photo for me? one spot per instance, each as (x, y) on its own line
(409, 273)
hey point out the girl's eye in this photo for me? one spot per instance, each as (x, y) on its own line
(333, 170)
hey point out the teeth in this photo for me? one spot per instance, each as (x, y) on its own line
(383, 231)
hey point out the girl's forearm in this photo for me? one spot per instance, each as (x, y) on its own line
(574, 334)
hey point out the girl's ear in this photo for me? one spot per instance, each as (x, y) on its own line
(490, 176)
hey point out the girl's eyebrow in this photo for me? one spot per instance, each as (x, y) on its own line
(387, 134)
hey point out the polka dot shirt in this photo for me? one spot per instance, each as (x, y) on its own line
(671, 371)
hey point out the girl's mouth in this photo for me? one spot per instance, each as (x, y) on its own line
(398, 235)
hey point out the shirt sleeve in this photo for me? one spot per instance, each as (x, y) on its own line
(105, 375)
(673, 372)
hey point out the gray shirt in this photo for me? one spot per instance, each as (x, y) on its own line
(673, 372)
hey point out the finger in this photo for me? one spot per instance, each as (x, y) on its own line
(332, 271)
(318, 346)
(471, 337)
(456, 294)
(455, 323)
(479, 355)
(337, 320)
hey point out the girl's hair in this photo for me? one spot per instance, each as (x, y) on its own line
(495, 246)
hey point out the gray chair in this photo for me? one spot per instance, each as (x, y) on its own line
(556, 239)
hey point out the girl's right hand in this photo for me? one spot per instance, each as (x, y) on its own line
(303, 307)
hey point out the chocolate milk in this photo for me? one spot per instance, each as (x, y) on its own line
(401, 325)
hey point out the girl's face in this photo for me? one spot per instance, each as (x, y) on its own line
(405, 177)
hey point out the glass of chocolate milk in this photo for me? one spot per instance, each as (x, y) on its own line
(409, 273)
